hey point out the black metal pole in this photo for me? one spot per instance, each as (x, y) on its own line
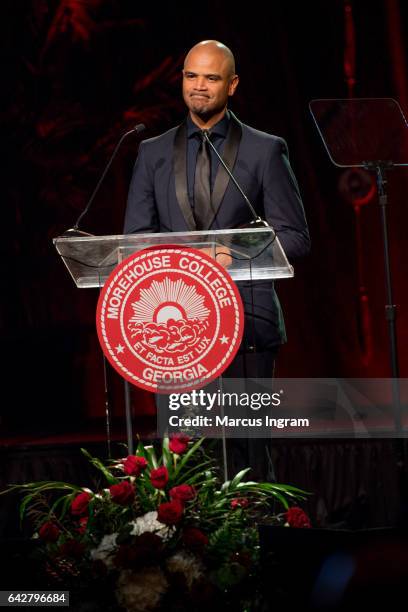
(128, 412)
(390, 307)
(107, 406)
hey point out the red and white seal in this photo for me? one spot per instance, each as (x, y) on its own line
(170, 319)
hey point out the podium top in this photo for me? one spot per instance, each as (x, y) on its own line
(256, 253)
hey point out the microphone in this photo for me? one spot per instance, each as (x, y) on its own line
(257, 221)
(75, 231)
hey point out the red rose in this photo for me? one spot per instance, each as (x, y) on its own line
(194, 539)
(83, 522)
(49, 532)
(159, 477)
(79, 504)
(183, 493)
(239, 502)
(170, 513)
(122, 493)
(72, 548)
(296, 517)
(134, 466)
(179, 443)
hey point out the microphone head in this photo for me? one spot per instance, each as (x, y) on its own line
(140, 127)
(74, 232)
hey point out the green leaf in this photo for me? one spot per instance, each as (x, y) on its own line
(23, 506)
(198, 479)
(65, 501)
(292, 492)
(101, 467)
(44, 485)
(168, 460)
(151, 456)
(188, 455)
(185, 477)
(140, 450)
(238, 477)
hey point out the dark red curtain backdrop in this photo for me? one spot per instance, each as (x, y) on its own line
(75, 75)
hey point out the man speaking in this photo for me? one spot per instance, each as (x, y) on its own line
(178, 184)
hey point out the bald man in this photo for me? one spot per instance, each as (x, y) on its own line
(209, 79)
(166, 191)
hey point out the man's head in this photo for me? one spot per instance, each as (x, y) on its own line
(208, 80)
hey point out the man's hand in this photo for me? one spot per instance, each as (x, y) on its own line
(222, 255)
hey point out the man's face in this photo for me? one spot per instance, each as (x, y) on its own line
(207, 82)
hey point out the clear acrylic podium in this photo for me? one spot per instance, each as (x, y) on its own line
(256, 254)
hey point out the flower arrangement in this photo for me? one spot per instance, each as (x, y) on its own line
(163, 534)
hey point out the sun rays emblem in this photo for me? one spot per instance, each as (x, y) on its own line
(170, 316)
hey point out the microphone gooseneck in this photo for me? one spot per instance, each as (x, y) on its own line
(75, 231)
(257, 220)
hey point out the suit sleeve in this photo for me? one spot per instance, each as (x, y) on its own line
(141, 212)
(282, 202)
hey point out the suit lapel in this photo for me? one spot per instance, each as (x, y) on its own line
(229, 156)
(180, 175)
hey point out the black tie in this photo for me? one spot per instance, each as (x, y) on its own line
(202, 191)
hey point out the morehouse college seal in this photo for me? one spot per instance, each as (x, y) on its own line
(170, 319)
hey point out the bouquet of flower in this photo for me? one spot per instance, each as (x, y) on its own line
(162, 534)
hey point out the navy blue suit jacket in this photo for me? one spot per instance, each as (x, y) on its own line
(158, 202)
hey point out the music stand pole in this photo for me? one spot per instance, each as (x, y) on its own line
(380, 169)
